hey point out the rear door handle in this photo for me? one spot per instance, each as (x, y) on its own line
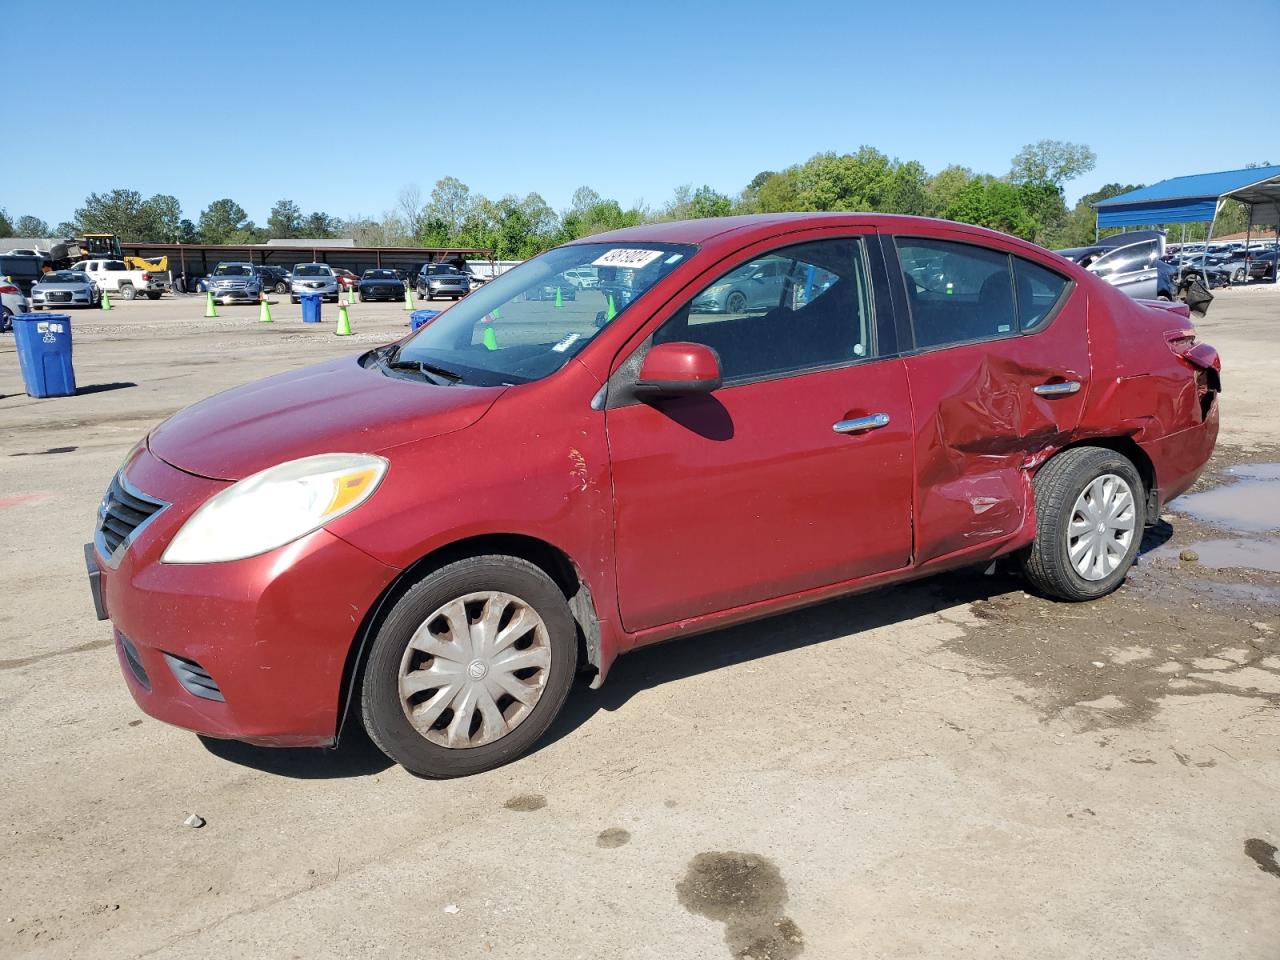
(1063, 388)
(861, 424)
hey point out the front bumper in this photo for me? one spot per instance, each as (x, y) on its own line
(237, 294)
(272, 633)
(49, 300)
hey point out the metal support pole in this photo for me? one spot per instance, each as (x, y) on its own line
(1248, 235)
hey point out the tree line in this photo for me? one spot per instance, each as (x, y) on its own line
(1028, 201)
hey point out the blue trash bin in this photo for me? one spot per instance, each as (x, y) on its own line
(419, 317)
(44, 353)
(311, 307)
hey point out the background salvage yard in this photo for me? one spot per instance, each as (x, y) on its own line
(1074, 780)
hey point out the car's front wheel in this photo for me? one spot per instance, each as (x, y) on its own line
(1090, 514)
(470, 667)
(282, 288)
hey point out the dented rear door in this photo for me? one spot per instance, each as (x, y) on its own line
(988, 407)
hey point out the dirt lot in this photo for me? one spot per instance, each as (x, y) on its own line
(953, 769)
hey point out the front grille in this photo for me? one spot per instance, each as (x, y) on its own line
(133, 661)
(58, 296)
(194, 678)
(123, 512)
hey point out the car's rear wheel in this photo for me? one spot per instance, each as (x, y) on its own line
(128, 292)
(6, 318)
(153, 296)
(1238, 277)
(1090, 514)
(470, 667)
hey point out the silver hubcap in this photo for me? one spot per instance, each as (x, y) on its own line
(475, 669)
(1101, 528)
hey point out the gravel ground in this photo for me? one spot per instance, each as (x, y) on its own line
(955, 768)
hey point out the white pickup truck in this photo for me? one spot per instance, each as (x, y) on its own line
(114, 276)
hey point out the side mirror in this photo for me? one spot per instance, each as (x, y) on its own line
(678, 370)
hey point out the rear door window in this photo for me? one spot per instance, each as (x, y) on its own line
(1039, 291)
(957, 292)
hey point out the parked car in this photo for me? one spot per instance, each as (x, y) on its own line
(64, 288)
(747, 288)
(434, 537)
(313, 278)
(553, 285)
(1134, 268)
(231, 282)
(115, 276)
(1262, 264)
(25, 252)
(381, 285)
(441, 280)
(346, 279)
(1215, 271)
(274, 278)
(21, 270)
(584, 278)
(12, 301)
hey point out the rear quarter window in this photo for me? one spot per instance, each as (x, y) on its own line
(1039, 291)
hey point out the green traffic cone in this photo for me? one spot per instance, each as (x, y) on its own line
(106, 300)
(264, 313)
(559, 300)
(351, 296)
(209, 309)
(344, 321)
(490, 339)
(497, 314)
(408, 301)
(610, 311)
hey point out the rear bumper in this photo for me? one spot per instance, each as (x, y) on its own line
(1180, 457)
(272, 633)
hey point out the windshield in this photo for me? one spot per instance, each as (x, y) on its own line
(232, 270)
(527, 323)
(312, 270)
(441, 268)
(379, 275)
(64, 276)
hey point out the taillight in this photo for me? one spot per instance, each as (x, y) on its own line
(146, 276)
(9, 289)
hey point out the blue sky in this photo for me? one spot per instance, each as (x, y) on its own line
(631, 99)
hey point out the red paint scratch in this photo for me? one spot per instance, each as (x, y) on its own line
(20, 498)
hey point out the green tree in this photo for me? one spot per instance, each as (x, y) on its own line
(6, 225)
(66, 229)
(224, 221)
(451, 203)
(1052, 161)
(943, 187)
(162, 216)
(284, 222)
(29, 226)
(988, 202)
(122, 212)
(320, 226)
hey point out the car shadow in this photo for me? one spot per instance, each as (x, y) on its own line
(687, 657)
(354, 756)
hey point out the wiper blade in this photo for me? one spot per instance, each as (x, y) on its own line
(443, 373)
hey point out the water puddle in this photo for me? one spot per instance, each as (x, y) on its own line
(1248, 554)
(1250, 503)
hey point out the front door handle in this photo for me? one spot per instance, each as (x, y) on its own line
(861, 424)
(1063, 388)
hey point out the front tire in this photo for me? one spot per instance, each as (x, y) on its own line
(1090, 514)
(470, 667)
(282, 288)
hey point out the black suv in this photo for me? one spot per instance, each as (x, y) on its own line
(274, 278)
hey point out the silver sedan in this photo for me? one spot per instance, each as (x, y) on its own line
(64, 288)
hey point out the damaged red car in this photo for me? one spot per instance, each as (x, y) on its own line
(738, 417)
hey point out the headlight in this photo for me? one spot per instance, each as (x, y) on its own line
(276, 506)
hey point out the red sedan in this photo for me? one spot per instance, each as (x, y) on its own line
(346, 279)
(742, 416)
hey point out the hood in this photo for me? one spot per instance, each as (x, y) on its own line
(72, 285)
(335, 407)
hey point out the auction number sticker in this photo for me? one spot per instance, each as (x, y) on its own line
(630, 259)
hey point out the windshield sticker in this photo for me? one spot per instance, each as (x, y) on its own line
(630, 259)
(567, 342)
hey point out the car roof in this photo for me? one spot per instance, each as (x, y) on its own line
(743, 230)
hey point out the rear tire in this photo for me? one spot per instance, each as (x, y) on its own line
(128, 292)
(153, 296)
(1067, 490)
(384, 712)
